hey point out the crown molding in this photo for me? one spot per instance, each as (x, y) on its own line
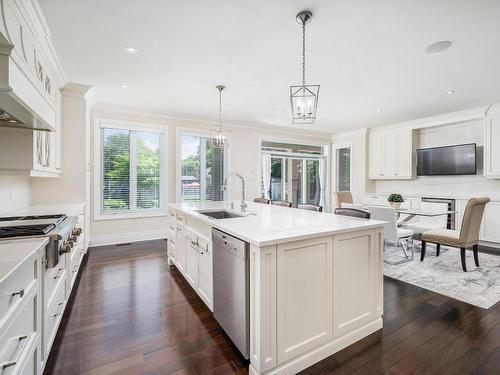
(362, 131)
(169, 116)
(77, 90)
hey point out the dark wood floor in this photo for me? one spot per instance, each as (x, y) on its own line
(130, 313)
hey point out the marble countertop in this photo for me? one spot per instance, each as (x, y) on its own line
(14, 252)
(265, 224)
(70, 209)
(494, 198)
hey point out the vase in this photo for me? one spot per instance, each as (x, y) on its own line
(395, 205)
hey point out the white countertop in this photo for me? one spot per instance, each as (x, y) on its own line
(14, 252)
(267, 224)
(70, 209)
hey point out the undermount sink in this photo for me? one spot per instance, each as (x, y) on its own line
(222, 214)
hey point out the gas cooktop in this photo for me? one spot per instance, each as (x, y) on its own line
(33, 225)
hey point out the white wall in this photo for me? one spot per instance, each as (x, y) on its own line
(243, 158)
(465, 132)
(15, 192)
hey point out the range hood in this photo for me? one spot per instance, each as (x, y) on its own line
(22, 102)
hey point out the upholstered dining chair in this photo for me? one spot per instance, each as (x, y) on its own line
(353, 212)
(282, 203)
(467, 237)
(261, 200)
(342, 197)
(310, 207)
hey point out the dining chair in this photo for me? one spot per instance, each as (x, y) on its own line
(353, 212)
(262, 200)
(352, 205)
(342, 197)
(401, 236)
(466, 237)
(310, 207)
(282, 203)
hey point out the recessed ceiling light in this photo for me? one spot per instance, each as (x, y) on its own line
(124, 86)
(379, 110)
(450, 92)
(131, 50)
(438, 46)
(278, 111)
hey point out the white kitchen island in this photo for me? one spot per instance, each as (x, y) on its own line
(316, 279)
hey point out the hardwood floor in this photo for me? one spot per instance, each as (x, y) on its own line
(130, 313)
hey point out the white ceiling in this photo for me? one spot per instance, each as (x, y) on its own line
(365, 54)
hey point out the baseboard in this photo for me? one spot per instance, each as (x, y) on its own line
(118, 238)
(316, 355)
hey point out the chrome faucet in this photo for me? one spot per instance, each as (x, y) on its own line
(243, 204)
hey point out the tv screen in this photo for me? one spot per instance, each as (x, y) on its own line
(448, 160)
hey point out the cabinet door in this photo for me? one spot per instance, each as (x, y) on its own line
(492, 146)
(304, 295)
(376, 156)
(180, 250)
(357, 280)
(192, 256)
(390, 151)
(404, 153)
(205, 282)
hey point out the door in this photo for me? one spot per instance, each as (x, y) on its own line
(376, 162)
(180, 250)
(192, 256)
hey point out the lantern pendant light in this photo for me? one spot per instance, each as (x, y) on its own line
(304, 98)
(219, 137)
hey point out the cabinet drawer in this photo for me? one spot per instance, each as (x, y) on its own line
(181, 219)
(52, 278)
(30, 365)
(19, 339)
(171, 229)
(14, 288)
(53, 315)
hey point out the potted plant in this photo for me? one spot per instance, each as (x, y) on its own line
(395, 200)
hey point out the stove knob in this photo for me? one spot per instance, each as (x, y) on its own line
(77, 231)
(73, 238)
(66, 248)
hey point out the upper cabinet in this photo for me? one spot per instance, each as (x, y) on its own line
(391, 154)
(492, 143)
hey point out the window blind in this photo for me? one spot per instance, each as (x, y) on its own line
(202, 169)
(130, 171)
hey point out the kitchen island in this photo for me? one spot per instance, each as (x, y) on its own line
(316, 279)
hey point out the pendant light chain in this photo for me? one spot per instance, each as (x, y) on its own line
(220, 108)
(303, 53)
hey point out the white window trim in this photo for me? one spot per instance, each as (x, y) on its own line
(327, 153)
(336, 147)
(178, 158)
(134, 126)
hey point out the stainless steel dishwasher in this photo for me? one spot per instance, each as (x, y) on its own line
(231, 275)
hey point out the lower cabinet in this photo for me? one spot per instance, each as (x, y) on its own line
(180, 250)
(304, 289)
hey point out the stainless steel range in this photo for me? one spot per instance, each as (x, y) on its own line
(62, 231)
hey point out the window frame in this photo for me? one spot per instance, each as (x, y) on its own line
(335, 148)
(100, 123)
(178, 159)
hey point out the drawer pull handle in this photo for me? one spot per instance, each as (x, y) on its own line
(20, 293)
(4, 365)
(58, 274)
(60, 311)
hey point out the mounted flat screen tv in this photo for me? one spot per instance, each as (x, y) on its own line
(448, 160)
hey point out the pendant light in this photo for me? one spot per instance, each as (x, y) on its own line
(304, 98)
(219, 136)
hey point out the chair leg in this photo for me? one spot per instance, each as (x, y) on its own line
(438, 249)
(422, 253)
(404, 245)
(462, 255)
(476, 255)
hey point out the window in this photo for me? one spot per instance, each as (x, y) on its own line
(202, 169)
(130, 173)
(343, 168)
(295, 172)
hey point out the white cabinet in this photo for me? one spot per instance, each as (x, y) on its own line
(492, 143)
(391, 154)
(198, 271)
(192, 260)
(304, 289)
(491, 223)
(180, 249)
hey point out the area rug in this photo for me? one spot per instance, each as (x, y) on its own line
(480, 286)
